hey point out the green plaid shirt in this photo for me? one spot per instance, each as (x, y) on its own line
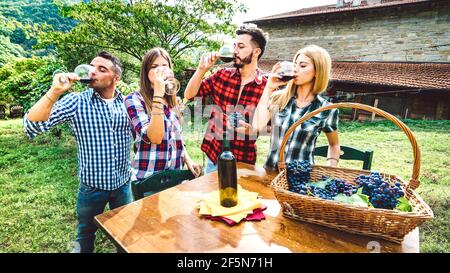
(301, 143)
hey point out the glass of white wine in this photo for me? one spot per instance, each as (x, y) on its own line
(172, 85)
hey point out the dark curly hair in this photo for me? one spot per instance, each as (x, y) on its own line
(259, 38)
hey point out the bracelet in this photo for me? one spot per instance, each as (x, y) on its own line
(337, 160)
(50, 99)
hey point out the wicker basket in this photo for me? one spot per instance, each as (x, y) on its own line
(391, 225)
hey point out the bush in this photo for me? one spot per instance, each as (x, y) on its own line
(126, 88)
(24, 81)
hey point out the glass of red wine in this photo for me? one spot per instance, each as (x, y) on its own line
(83, 71)
(286, 72)
(226, 52)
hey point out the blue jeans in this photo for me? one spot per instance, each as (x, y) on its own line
(92, 202)
(210, 166)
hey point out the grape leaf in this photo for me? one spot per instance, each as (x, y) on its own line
(404, 205)
(354, 199)
(319, 184)
(364, 197)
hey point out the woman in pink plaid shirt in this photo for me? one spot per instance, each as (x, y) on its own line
(155, 121)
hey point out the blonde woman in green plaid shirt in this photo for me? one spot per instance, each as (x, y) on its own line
(301, 95)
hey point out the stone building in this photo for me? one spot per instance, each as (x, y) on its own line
(391, 53)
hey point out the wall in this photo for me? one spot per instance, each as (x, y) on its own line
(419, 33)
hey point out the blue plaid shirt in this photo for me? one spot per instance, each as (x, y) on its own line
(102, 133)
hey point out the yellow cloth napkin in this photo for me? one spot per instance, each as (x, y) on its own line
(247, 202)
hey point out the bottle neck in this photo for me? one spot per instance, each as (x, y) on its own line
(225, 144)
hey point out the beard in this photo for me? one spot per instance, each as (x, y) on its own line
(245, 61)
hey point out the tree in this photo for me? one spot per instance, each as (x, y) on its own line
(25, 80)
(27, 13)
(132, 28)
(9, 50)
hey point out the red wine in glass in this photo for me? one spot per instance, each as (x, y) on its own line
(226, 53)
(286, 78)
(286, 71)
(86, 81)
(226, 59)
(83, 71)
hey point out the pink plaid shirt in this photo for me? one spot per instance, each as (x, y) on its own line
(149, 157)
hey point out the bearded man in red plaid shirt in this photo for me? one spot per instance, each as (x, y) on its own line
(232, 89)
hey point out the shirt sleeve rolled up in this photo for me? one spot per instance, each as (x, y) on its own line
(62, 111)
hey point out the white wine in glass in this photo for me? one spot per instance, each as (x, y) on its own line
(172, 85)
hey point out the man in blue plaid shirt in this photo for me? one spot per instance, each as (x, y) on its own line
(99, 121)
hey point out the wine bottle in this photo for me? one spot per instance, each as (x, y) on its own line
(227, 176)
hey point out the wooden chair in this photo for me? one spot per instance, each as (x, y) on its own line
(15, 111)
(2, 111)
(349, 153)
(159, 181)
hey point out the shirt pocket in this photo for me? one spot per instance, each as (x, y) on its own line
(308, 131)
(311, 125)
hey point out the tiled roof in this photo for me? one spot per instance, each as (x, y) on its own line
(346, 8)
(409, 75)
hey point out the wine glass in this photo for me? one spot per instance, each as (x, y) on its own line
(226, 52)
(83, 71)
(287, 71)
(172, 85)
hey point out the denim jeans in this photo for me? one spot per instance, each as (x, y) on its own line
(91, 202)
(210, 166)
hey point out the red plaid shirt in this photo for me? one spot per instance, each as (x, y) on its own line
(223, 89)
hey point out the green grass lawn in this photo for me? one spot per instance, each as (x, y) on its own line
(38, 180)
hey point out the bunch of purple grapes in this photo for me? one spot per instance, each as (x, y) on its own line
(336, 186)
(381, 193)
(298, 174)
(235, 118)
(319, 192)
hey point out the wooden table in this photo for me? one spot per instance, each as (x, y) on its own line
(169, 222)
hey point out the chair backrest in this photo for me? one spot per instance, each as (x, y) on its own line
(349, 153)
(2, 111)
(159, 181)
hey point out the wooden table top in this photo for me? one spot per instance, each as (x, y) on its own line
(169, 222)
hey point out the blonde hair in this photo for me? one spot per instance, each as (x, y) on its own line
(322, 65)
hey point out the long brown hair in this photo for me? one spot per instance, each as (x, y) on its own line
(145, 87)
(322, 65)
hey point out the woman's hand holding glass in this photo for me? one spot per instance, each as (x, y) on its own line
(165, 82)
(274, 80)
